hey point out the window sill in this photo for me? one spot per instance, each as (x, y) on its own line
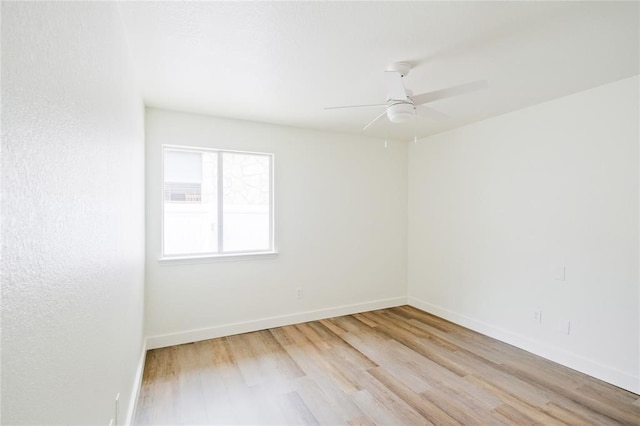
(213, 258)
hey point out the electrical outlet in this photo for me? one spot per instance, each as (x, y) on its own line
(560, 273)
(299, 293)
(537, 316)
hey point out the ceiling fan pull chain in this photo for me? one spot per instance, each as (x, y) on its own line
(415, 126)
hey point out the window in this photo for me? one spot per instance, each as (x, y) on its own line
(216, 202)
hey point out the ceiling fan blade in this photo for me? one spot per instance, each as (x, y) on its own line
(431, 113)
(374, 120)
(449, 92)
(356, 106)
(395, 86)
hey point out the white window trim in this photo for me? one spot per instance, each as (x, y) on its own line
(226, 257)
(186, 258)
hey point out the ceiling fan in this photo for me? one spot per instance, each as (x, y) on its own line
(401, 105)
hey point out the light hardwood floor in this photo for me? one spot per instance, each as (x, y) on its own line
(386, 367)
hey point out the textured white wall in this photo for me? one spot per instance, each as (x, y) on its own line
(72, 214)
(340, 220)
(495, 207)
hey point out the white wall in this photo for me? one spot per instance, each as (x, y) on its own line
(495, 207)
(340, 228)
(72, 215)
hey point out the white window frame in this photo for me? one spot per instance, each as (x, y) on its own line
(221, 254)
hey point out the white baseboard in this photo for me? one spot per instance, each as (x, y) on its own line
(137, 385)
(154, 342)
(603, 372)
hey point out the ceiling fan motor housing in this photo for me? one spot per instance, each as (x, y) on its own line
(400, 113)
(400, 67)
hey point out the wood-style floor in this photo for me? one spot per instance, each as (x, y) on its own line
(387, 367)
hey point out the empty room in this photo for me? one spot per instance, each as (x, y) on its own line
(332, 213)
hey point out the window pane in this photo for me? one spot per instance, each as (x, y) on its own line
(246, 202)
(190, 202)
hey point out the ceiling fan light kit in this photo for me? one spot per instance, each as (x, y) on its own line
(402, 106)
(400, 112)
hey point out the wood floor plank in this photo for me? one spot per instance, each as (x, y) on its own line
(428, 410)
(425, 318)
(624, 413)
(383, 411)
(326, 402)
(243, 357)
(295, 336)
(565, 415)
(361, 421)
(411, 327)
(190, 396)
(514, 415)
(333, 327)
(484, 349)
(376, 350)
(363, 317)
(518, 402)
(297, 412)
(391, 403)
(157, 388)
(317, 367)
(455, 409)
(477, 408)
(313, 336)
(389, 366)
(218, 406)
(214, 365)
(164, 409)
(607, 393)
(325, 334)
(244, 402)
(273, 360)
(348, 356)
(605, 404)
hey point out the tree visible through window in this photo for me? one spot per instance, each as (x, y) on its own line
(216, 202)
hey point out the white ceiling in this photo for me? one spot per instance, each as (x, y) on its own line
(283, 62)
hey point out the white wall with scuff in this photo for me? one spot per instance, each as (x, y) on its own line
(340, 229)
(72, 215)
(500, 208)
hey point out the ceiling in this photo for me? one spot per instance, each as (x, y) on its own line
(284, 62)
